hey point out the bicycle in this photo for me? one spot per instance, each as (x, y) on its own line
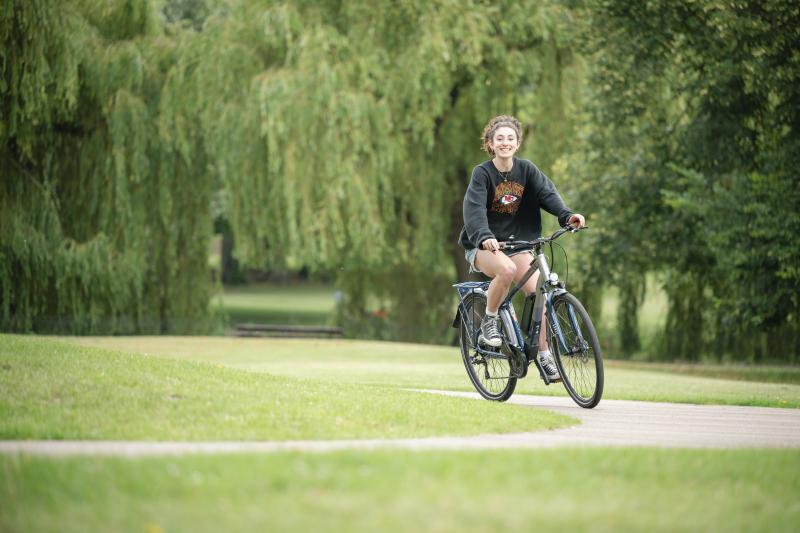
(572, 338)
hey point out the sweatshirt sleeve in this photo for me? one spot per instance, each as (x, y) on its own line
(475, 200)
(549, 199)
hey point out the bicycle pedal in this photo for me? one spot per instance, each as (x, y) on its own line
(542, 375)
(547, 380)
(483, 342)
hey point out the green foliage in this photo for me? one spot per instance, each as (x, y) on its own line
(694, 130)
(336, 137)
(104, 216)
(751, 231)
(358, 127)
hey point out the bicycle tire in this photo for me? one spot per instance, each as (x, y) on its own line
(490, 377)
(581, 367)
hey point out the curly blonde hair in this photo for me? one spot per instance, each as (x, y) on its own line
(493, 125)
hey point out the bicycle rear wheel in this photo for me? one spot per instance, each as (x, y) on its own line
(491, 376)
(579, 362)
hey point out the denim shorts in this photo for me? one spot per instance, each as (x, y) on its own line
(470, 255)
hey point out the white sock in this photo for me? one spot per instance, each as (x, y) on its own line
(491, 313)
(545, 352)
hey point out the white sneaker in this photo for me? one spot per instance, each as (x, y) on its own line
(489, 333)
(549, 366)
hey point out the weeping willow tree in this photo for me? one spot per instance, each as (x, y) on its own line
(104, 212)
(343, 134)
(333, 136)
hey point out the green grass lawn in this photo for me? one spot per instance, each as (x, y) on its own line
(734, 371)
(292, 304)
(56, 390)
(192, 388)
(424, 366)
(548, 490)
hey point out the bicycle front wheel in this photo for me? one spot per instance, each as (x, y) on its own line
(491, 376)
(578, 357)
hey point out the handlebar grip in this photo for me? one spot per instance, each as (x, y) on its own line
(516, 245)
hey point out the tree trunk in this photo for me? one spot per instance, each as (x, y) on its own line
(456, 223)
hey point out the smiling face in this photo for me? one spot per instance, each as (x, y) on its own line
(504, 142)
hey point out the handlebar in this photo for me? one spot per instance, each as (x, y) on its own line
(513, 244)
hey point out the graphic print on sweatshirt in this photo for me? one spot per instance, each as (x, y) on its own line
(507, 197)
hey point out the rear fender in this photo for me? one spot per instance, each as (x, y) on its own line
(457, 318)
(464, 289)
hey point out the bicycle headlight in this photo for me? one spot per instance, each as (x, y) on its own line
(553, 277)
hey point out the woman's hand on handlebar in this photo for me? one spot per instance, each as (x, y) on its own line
(490, 245)
(577, 221)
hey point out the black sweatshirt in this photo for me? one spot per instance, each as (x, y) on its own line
(496, 208)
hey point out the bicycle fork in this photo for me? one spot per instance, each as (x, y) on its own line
(559, 333)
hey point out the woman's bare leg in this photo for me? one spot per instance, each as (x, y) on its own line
(523, 264)
(502, 270)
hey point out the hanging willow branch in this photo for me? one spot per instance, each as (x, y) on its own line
(331, 134)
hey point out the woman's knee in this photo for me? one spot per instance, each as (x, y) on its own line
(507, 271)
(496, 266)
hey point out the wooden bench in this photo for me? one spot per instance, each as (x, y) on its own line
(277, 330)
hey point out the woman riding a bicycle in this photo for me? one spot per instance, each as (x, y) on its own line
(504, 199)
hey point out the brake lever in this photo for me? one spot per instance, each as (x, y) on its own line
(573, 229)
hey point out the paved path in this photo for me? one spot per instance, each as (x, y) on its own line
(612, 423)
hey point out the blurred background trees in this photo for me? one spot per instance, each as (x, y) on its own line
(104, 205)
(337, 138)
(693, 141)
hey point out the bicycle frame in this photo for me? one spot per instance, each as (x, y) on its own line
(525, 344)
(539, 263)
(569, 332)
